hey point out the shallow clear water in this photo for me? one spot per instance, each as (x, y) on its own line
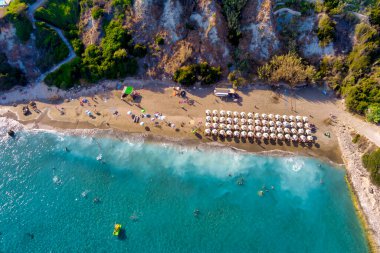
(47, 194)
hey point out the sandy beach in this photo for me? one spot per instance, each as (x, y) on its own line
(61, 110)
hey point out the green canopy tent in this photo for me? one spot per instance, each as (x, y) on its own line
(128, 90)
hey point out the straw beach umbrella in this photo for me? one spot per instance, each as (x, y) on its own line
(250, 115)
(236, 114)
(294, 131)
(291, 118)
(293, 124)
(286, 124)
(273, 136)
(265, 129)
(208, 112)
(280, 136)
(208, 124)
(222, 113)
(270, 116)
(222, 119)
(277, 116)
(285, 117)
(208, 119)
(236, 133)
(207, 131)
(242, 114)
(236, 127)
(305, 119)
(307, 125)
(279, 130)
(243, 134)
(222, 126)
(257, 115)
(278, 123)
(258, 135)
(215, 119)
(287, 130)
(295, 137)
(301, 131)
(215, 125)
(272, 129)
(214, 131)
(229, 113)
(251, 128)
(265, 135)
(299, 125)
(229, 120)
(229, 133)
(303, 138)
(298, 118)
(258, 128)
(257, 122)
(222, 132)
(271, 123)
(310, 138)
(264, 116)
(215, 112)
(229, 126)
(250, 121)
(243, 121)
(244, 127)
(264, 122)
(287, 136)
(250, 134)
(236, 120)
(308, 131)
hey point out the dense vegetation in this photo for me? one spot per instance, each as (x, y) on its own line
(326, 30)
(357, 76)
(16, 14)
(288, 68)
(232, 11)
(66, 75)
(371, 162)
(60, 13)
(9, 76)
(52, 48)
(203, 73)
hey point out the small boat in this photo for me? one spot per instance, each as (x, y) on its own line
(99, 157)
(116, 230)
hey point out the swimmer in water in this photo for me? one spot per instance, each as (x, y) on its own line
(67, 149)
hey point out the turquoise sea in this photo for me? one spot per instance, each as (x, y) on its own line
(47, 193)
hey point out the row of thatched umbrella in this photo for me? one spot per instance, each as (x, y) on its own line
(257, 122)
(250, 115)
(259, 135)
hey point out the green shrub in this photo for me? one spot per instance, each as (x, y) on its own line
(159, 40)
(16, 14)
(363, 94)
(288, 68)
(66, 76)
(356, 138)
(373, 113)
(9, 76)
(60, 13)
(203, 72)
(97, 12)
(371, 162)
(78, 46)
(139, 50)
(232, 11)
(51, 47)
(326, 30)
(374, 15)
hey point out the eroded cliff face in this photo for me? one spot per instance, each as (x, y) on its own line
(22, 56)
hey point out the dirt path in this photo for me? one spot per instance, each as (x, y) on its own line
(32, 9)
